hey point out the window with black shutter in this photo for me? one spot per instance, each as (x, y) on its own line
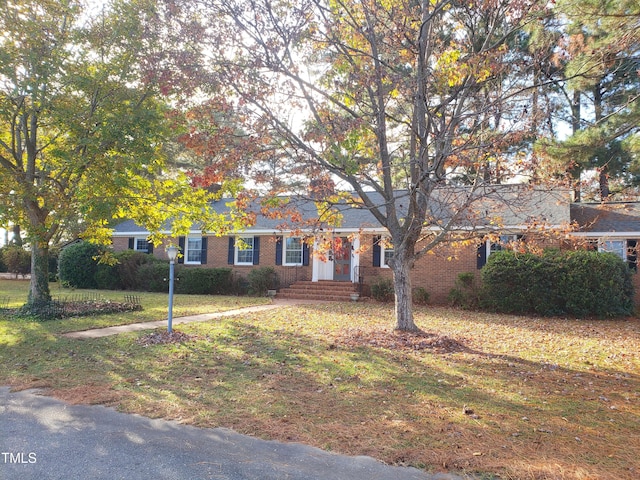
(632, 255)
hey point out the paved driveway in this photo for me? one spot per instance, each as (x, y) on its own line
(43, 438)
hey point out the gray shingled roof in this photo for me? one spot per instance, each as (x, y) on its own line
(617, 217)
(490, 207)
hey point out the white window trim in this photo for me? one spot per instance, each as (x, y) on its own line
(284, 252)
(135, 244)
(602, 243)
(186, 251)
(504, 241)
(237, 249)
(383, 249)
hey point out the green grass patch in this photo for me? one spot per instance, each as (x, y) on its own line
(154, 305)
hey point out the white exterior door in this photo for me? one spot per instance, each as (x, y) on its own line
(324, 262)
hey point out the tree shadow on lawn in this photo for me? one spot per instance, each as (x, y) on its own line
(462, 410)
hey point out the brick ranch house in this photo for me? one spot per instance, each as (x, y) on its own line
(322, 261)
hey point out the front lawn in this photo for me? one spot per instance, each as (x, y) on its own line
(155, 305)
(500, 396)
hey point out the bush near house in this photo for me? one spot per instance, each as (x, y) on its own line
(261, 280)
(383, 290)
(77, 265)
(197, 280)
(576, 283)
(79, 268)
(152, 277)
(129, 264)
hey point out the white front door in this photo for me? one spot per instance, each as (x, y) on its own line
(324, 265)
(322, 262)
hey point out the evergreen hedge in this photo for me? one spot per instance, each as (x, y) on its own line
(577, 283)
(77, 266)
(204, 281)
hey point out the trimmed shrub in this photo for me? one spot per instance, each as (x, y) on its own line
(77, 267)
(203, 281)
(261, 280)
(129, 262)
(383, 290)
(597, 284)
(578, 283)
(239, 285)
(108, 277)
(153, 277)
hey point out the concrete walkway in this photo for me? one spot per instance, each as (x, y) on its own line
(134, 327)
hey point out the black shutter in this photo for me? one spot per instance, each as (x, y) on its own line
(181, 242)
(203, 255)
(632, 255)
(256, 250)
(132, 243)
(305, 254)
(150, 248)
(377, 251)
(482, 255)
(279, 247)
(231, 255)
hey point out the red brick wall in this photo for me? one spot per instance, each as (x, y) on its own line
(120, 243)
(218, 251)
(436, 272)
(217, 256)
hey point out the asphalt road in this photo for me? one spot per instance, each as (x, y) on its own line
(43, 438)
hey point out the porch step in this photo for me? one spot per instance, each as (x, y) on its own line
(323, 290)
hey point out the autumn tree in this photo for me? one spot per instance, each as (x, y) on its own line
(82, 125)
(396, 101)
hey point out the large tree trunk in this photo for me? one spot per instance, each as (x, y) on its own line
(401, 266)
(39, 287)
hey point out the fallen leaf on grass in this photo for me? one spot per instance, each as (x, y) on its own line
(164, 337)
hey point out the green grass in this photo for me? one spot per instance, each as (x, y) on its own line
(155, 305)
(551, 398)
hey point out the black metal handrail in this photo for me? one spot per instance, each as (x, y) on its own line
(361, 273)
(287, 276)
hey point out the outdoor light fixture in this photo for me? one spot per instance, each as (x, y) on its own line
(172, 253)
